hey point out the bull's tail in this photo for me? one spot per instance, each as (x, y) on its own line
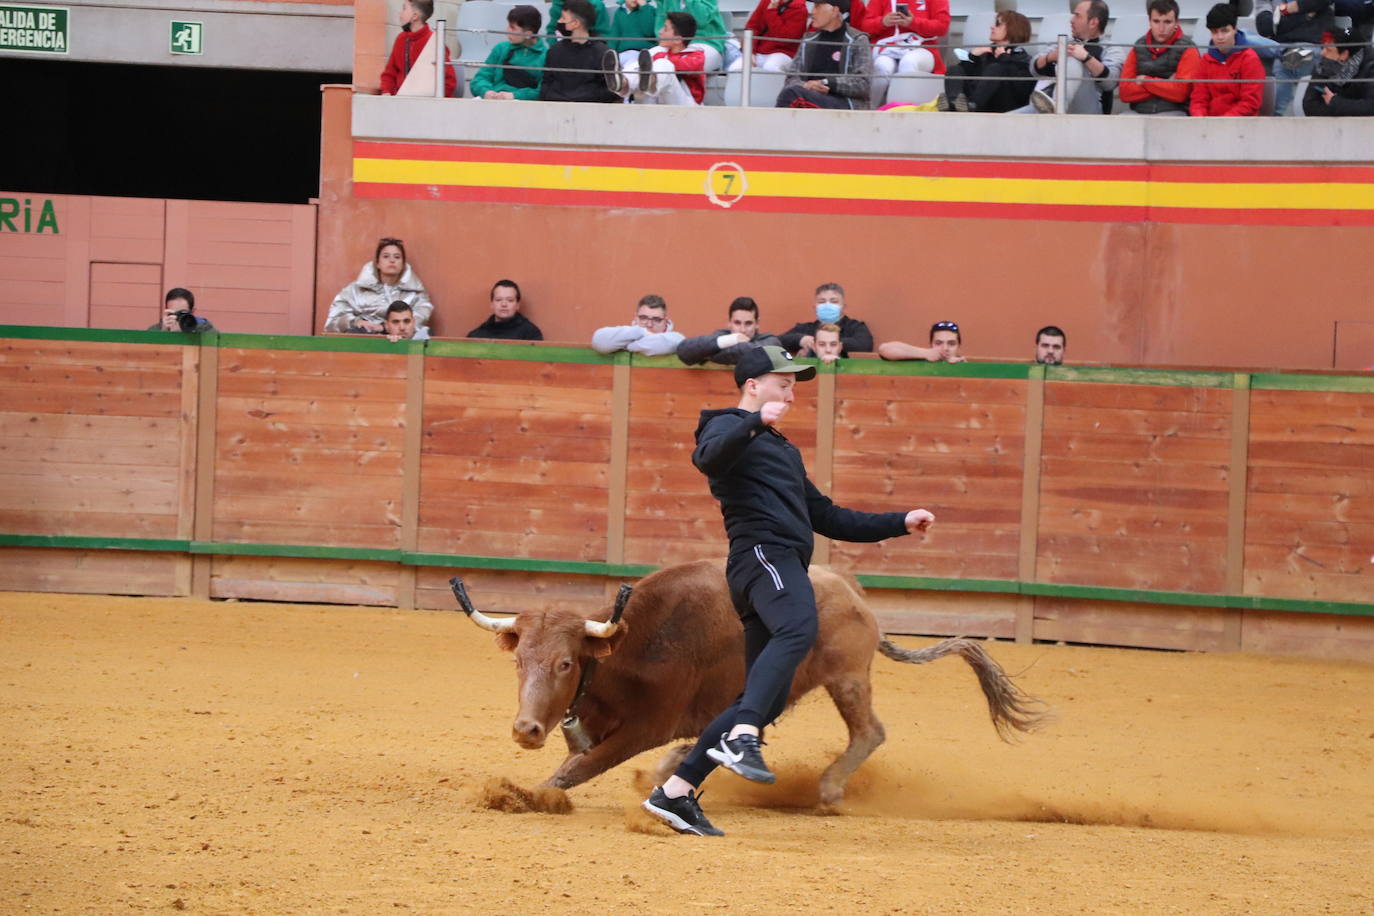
(1012, 709)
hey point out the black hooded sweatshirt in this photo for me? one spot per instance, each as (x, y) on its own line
(764, 493)
(517, 327)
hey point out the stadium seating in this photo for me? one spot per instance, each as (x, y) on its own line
(481, 27)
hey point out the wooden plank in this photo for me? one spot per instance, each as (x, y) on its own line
(232, 481)
(445, 427)
(1089, 472)
(449, 505)
(243, 430)
(1138, 397)
(160, 452)
(1319, 635)
(163, 380)
(931, 613)
(872, 439)
(1191, 629)
(1134, 448)
(255, 459)
(87, 572)
(1082, 420)
(1073, 517)
(231, 529)
(506, 544)
(1232, 637)
(207, 420)
(317, 412)
(188, 439)
(522, 373)
(261, 385)
(1306, 454)
(618, 473)
(520, 471)
(1341, 482)
(410, 474)
(142, 497)
(84, 523)
(1029, 523)
(577, 400)
(112, 403)
(502, 591)
(345, 367)
(87, 353)
(1285, 509)
(936, 415)
(850, 389)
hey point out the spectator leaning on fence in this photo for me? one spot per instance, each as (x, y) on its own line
(632, 29)
(502, 77)
(905, 36)
(1228, 58)
(1343, 80)
(1155, 77)
(671, 74)
(415, 32)
(828, 345)
(578, 65)
(778, 26)
(946, 341)
(505, 321)
(834, 67)
(361, 305)
(1002, 64)
(1091, 68)
(400, 323)
(854, 334)
(726, 345)
(652, 333)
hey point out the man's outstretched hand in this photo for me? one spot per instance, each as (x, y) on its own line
(919, 520)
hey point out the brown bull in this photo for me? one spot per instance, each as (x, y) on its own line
(677, 659)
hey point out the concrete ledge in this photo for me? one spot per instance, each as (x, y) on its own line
(850, 133)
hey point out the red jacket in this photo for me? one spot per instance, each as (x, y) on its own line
(1136, 88)
(1228, 99)
(787, 21)
(929, 22)
(691, 59)
(404, 53)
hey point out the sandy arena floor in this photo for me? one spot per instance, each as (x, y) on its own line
(250, 758)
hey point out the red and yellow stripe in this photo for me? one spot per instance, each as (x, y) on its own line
(1131, 192)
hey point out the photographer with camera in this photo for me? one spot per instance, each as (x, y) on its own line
(178, 313)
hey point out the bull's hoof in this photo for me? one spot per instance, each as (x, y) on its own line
(500, 794)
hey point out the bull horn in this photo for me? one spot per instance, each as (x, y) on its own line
(601, 628)
(494, 624)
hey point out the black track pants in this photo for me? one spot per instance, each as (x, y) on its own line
(773, 597)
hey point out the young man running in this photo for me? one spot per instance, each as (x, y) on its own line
(770, 509)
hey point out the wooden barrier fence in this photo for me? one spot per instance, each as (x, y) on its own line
(1184, 510)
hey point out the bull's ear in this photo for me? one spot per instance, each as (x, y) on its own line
(507, 641)
(602, 646)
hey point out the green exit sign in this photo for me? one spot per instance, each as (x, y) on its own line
(188, 37)
(35, 29)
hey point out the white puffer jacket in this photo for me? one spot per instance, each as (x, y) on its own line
(367, 299)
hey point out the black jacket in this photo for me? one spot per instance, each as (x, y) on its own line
(1351, 98)
(854, 336)
(764, 493)
(695, 350)
(576, 87)
(1011, 88)
(518, 327)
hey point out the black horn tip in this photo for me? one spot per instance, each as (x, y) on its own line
(460, 592)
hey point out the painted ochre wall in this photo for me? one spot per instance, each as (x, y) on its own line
(1215, 287)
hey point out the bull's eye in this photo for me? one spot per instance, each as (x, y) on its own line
(565, 666)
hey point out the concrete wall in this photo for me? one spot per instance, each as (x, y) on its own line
(314, 36)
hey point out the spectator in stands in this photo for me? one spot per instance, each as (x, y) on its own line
(1361, 13)
(178, 313)
(400, 323)
(854, 334)
(671, 74)
(778, 26)
(415, 32)
(828, 344)
(362, 304)
(1092, 68)
(711, 34)
(599, 24)
(945, 343)
(725, 345)
(1228, 59)
(506, 322)
(632, 29)
(833, 67)
(1336, 90)
(1001, 63)
(578, 51)
(1049, 345)
(1155, 77)
(905, 35)
(652, 333)
(502, 77)
(1300, 26)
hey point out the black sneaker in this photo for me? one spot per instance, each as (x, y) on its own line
(742, 756)
(682, 814)
(647, 82)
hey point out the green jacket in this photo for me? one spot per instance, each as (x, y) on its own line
(494, 77)
(632, 29)
(705, 12)
(603, 22)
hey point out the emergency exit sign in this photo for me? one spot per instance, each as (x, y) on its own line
(188, 37)
(37, 29)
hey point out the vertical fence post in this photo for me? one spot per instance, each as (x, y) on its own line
(440, 53)
(1061, 79)
(617, 484)
(206, 421)
(1030, 500)
(825, 444)
(1237, 481)
(410, 474)
(746, 74)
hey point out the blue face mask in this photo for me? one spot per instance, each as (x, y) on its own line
(828, 311)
